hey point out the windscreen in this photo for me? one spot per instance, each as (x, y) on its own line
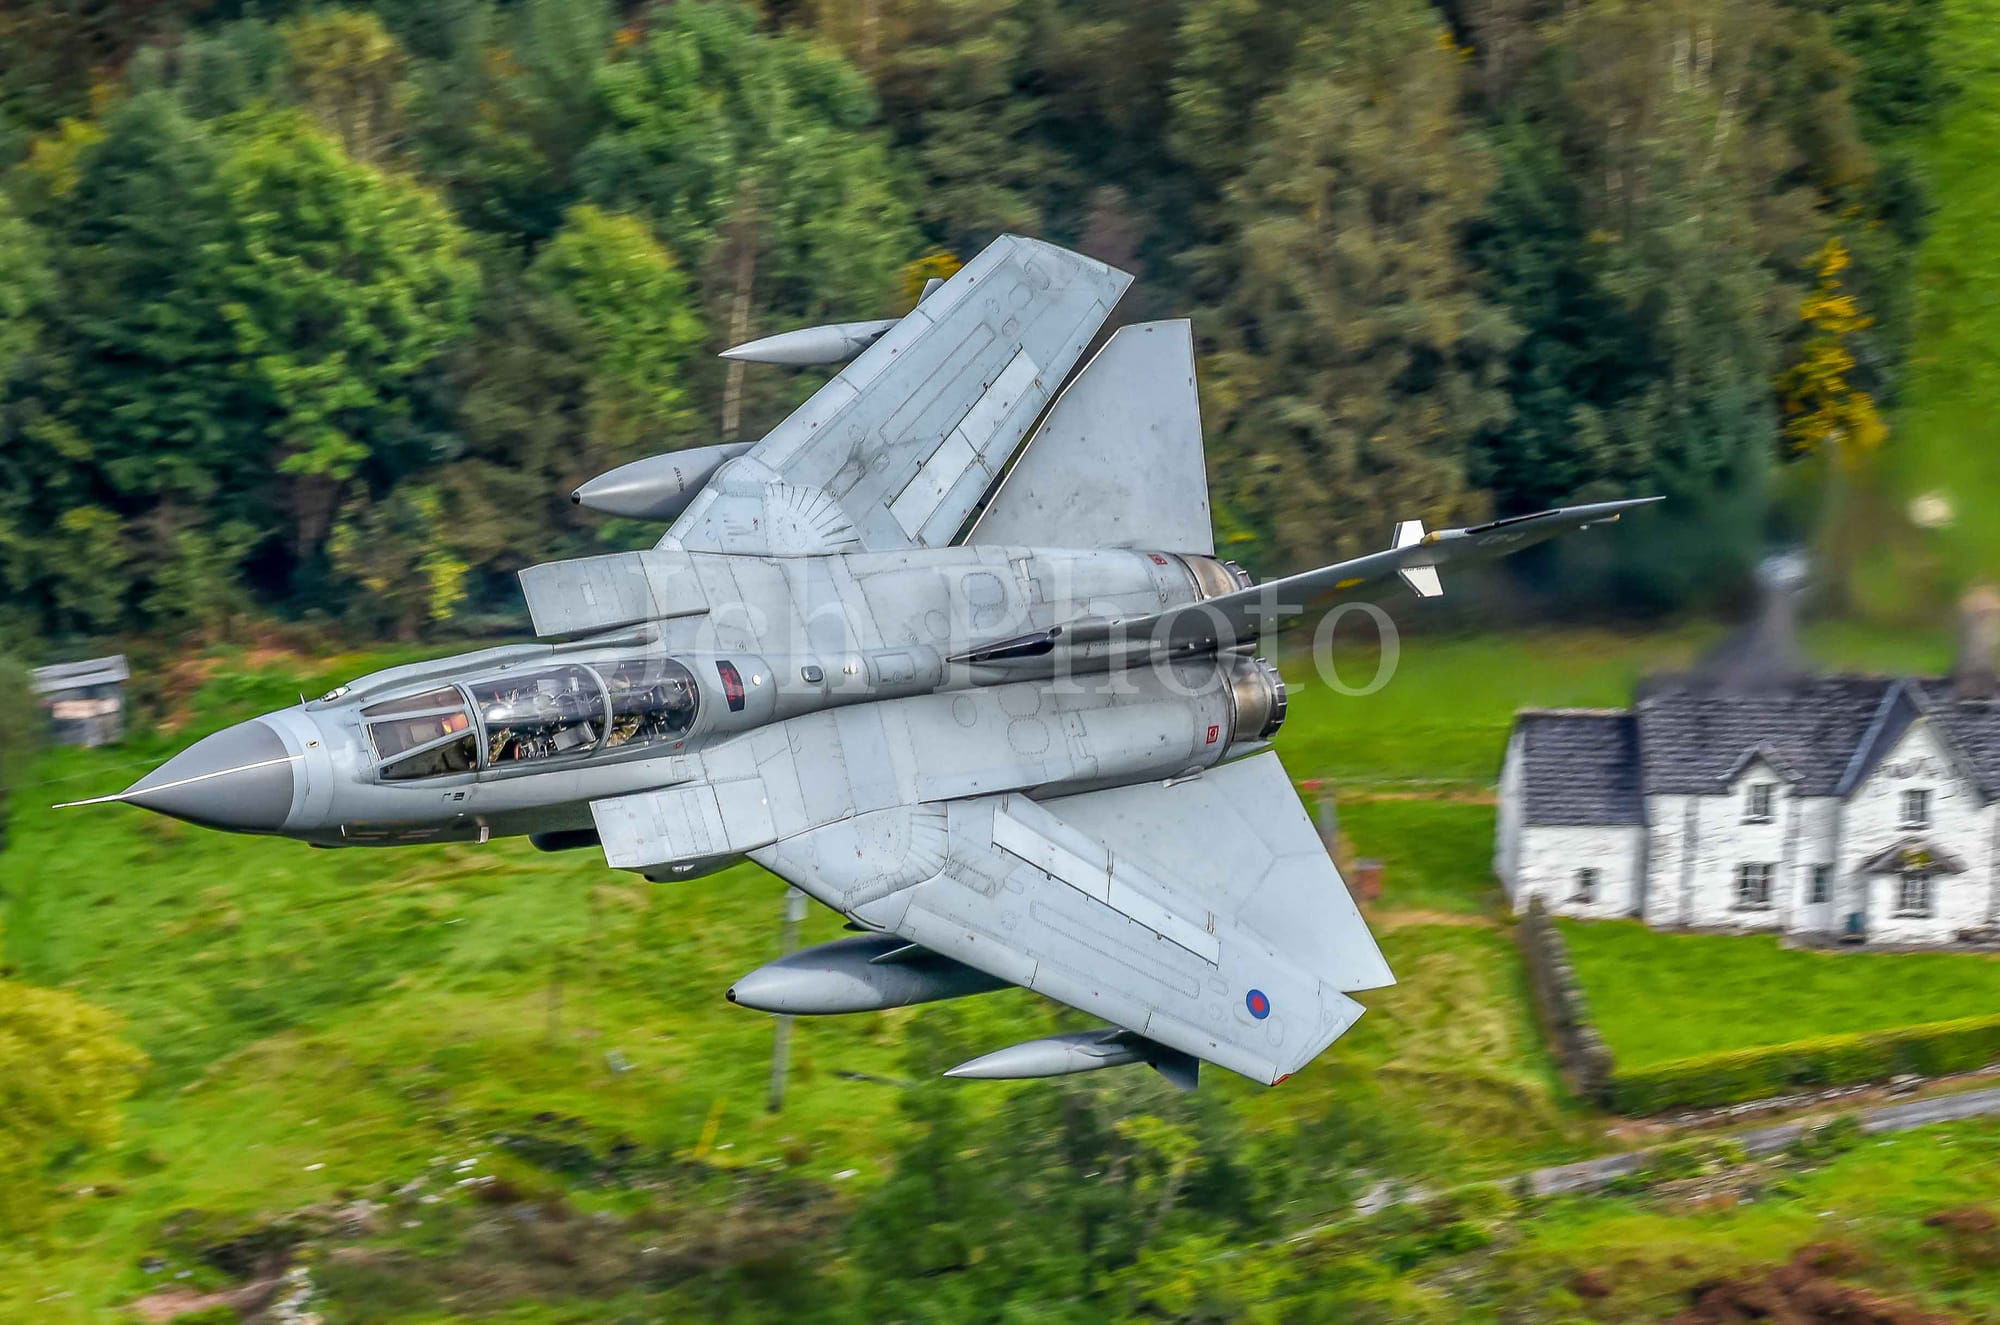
(422, 735)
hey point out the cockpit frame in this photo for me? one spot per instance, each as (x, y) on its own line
(527, 719)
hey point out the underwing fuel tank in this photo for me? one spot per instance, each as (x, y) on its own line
(1081, 1051)
(867, 974)
(836, 342)
(658, 487)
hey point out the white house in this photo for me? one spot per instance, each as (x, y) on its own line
(1856, 806)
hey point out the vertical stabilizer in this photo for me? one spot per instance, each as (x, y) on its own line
(1423, 579)
(1118, 461)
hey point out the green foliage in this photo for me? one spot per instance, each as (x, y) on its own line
(197, 589)
(1111, 1167)
(1930, 1049)
(348, 73)
(1332, 400)
(20, 730)
(726, 135)
(631, 299)
(397, 551)
(63, 1075)
(343, 284)
(1446, 258)
(24, 284)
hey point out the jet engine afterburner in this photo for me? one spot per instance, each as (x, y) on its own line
(1257, 699)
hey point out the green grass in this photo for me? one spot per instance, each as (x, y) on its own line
(1652, 1252)
(1943, 434)
(321, 1022)
(1442, 718)
(1451, 1056)
(1658, 997)
(1436, 855)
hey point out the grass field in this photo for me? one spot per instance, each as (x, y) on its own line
(1651, 1252)
(1441, 720)
(1943, 438)
(321, 1023)
(1437, 855)
(326, 1022)
(1663, 996)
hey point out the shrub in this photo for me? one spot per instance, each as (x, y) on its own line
(1931, 1049)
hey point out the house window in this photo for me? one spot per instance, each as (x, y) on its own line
(1913, 895)
(1586, 886)
(1759, 810)
(1916, 809)
(1820, 889)
(1753, 887)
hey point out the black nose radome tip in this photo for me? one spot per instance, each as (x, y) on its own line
(240, 778)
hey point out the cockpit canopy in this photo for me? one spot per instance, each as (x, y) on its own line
(543, 713)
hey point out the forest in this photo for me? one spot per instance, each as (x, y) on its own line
(320, 312)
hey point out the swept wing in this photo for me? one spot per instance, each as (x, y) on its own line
(896, 450)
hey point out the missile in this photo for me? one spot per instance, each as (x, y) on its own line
(865, 974)
(1082, 1051)
(658, 487)
(836, 342)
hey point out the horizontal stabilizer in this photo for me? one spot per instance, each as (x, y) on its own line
(1118, 461)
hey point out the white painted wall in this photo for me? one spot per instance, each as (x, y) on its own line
(1551, 855)
(1959, 824)
(1816, 843)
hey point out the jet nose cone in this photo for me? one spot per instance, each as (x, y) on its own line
(240, 778)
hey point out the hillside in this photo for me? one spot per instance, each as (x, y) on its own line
(331, 1026)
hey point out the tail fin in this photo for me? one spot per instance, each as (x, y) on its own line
(1118, 461)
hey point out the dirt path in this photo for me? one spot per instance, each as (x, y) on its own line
(1592, 1174)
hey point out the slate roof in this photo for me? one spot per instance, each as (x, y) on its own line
(1824, 735)
(1579, 766)
(1693, 738)
(58, 677)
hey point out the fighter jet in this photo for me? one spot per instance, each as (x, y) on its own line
(1009, 720)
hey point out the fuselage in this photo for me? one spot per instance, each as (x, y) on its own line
(522, 739)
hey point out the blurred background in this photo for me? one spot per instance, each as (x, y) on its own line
(311, 317)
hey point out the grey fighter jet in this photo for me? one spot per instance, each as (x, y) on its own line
(1033, 751)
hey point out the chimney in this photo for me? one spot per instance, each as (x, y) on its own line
(1763, 653)
(1972, 675)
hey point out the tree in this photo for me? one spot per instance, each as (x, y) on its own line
(502, 118)
(1825, 413)
(1113, 1167)
(197, 584)
(754, 156)
(24, 284)
(63, 1074)
(348, 73)
(150, 390)
(953, 79)
(1356, 353)
(629, 296)
(341, 286)
(396, 550)
(20, 730)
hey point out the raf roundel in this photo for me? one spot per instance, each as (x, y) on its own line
(1258, 1003)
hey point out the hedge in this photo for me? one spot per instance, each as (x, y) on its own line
(1706, 1080)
